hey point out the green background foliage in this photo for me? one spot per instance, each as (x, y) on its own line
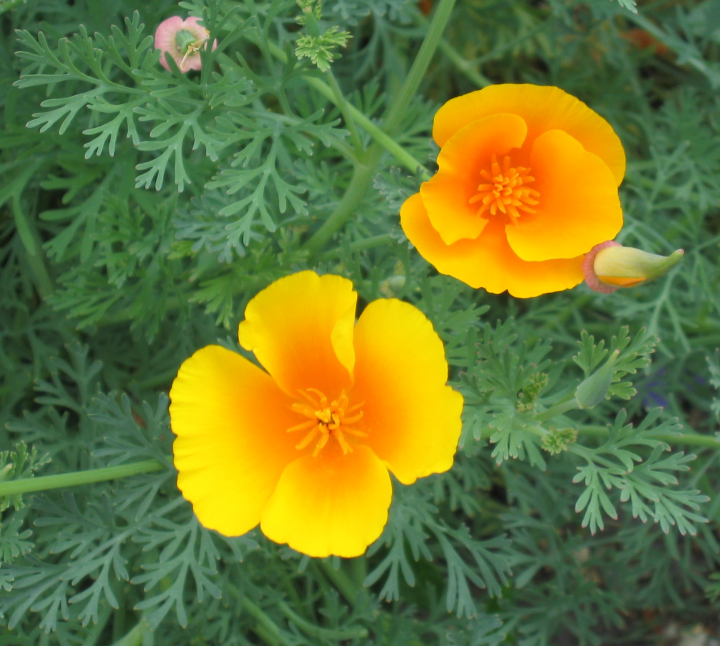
(140, 210)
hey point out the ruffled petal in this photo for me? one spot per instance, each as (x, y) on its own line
(543, 108)
(231, 447)
(469, 151)
(411, 415)
(300, 329)
(333, 504)
(579, 203)
(488, 261)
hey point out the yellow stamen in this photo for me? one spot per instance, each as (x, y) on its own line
(193, 48)
(505, 191)
(326, 419)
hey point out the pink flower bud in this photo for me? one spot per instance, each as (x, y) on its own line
(183, 40)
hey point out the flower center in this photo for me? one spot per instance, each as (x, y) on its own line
(506, 190)
(189, 44)
(326, 419)
(184, 40)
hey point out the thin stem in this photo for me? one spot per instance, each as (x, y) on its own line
(388, 143)
(567, 404)
(688, 439)
(419, 67)
(63, 480)
(358, 245)
(341, 581)
(341, 103)
(359, 183)
(271, 630)
(362, 176)
(317, 631)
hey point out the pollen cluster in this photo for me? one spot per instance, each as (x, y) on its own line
(326, 419)
(505, 190)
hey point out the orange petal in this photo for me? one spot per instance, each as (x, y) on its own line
(579, 203)
(333, 504)
(411, 416)
(230, 419)
(488, 261)
(447, 195)
(543, 108)
(300, 329)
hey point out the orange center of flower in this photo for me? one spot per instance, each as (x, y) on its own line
(505, 190)
(326, 419)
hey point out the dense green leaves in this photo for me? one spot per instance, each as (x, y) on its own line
(142, 208)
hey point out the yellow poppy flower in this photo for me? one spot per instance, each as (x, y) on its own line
(527, 184)
(303, 448)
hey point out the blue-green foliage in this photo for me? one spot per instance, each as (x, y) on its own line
(140, 210)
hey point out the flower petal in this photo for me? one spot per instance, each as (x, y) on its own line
(300, 329)
(333, 504)
(447, 195)
(488, 261)
(411, 416)
(542, 108)
(579, 203)
(231, 447)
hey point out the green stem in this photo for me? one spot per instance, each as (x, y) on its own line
(340, 102)
(567, 404)
(63, 480)
(688, 439)
(270, 629)
(362, 177)
(317, 631)
(419, 67)
(456, 58)
(388, 143)
(358, 245)
(410, 162)
(360, 182)
(341, 581)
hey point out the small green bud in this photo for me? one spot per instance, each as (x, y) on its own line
(595, 388)
(557, 441)
(6, 471)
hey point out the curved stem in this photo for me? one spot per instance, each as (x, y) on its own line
(63, 480)
(341, 103)
(567, 404)
(419, 67)
(360, 182)
(317, 631)
(363, 175)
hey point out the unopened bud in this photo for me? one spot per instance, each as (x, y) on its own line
(609, 266)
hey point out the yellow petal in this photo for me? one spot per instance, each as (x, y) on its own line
(488, 261)
(333, 504)
(411, 416)
(300, 329)
(579, 203)
(543, 108)
(230, 419)
(447, 195)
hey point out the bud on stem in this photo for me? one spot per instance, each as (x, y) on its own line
(609, 266)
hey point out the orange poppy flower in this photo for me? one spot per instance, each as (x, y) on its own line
(303, 448)
(527, 184)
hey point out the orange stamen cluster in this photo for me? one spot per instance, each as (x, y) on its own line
(506, 190)
(327, 418)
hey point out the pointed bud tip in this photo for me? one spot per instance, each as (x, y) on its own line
(610, 266)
